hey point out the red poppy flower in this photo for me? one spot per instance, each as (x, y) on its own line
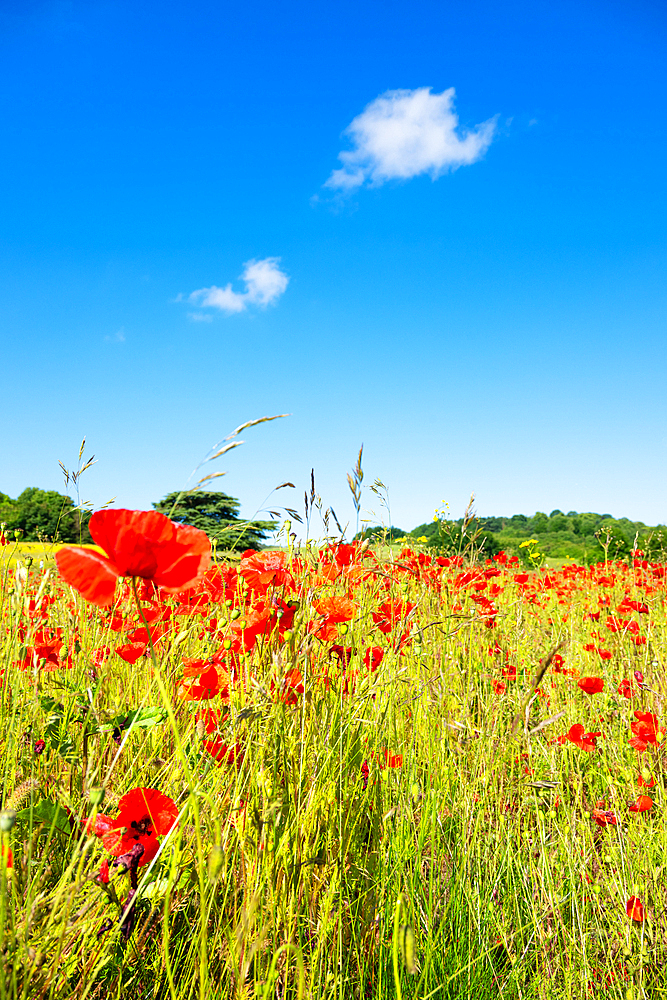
(291, 687)
(499, 686)
(99, 655)
(262, 570)
(646, 782)
(580, 738)
(645, 730)
(343, 653)
(635, 909)
(591, 685)
(138, 543)
(210, 719)
(144, 634)
(8, 856)
(627, 605)
(144, 815)
(335, 609)
(207, 684)
(390, 613)
(373, 657)
(605, 817)
(643, 804)
(393, 759)
(131, 651)
(625, 688)
(225, 753)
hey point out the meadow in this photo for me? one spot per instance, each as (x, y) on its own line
(329, 771)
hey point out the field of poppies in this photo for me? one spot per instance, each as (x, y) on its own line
(330, 771)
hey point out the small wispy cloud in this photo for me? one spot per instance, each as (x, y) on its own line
(118, 337)
(264, 284)
(404, 133)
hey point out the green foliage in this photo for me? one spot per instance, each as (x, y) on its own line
(451, 538)
(44, 515)
(654, 544)
(586, 537)
(217, 514)
(380, 534)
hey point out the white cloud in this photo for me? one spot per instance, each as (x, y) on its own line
(264, 284)
(404, 133)
(118, 337)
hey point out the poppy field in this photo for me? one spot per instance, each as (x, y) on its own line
(329, 771)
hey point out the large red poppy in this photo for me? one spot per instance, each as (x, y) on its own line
(145, 814)
(335, 609)
(262, 570)
(635, 909)
(591, 685)
(138, 543)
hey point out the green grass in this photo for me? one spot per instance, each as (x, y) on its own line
(283, 875)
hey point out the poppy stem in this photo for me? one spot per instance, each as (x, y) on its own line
(397, 918)
(145, 623)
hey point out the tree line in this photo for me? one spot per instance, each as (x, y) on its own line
(45, 515)
(587, 537)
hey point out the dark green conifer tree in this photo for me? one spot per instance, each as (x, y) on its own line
(218, 515)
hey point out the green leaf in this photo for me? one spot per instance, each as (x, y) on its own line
(52, 814)
(144, 718)
(51, 707)
(65, 747)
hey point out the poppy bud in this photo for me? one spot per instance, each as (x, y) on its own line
(235, 614)
(96, 796)
(406, 944)
(7, 820)
(215, 862)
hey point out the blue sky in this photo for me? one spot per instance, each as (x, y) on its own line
(486, 314)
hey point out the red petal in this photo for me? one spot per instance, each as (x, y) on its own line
(92, 574)
(184, 560)
(131, 651)
(141, 802)
(130, 538)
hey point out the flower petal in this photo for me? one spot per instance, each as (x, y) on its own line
(92, 574)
